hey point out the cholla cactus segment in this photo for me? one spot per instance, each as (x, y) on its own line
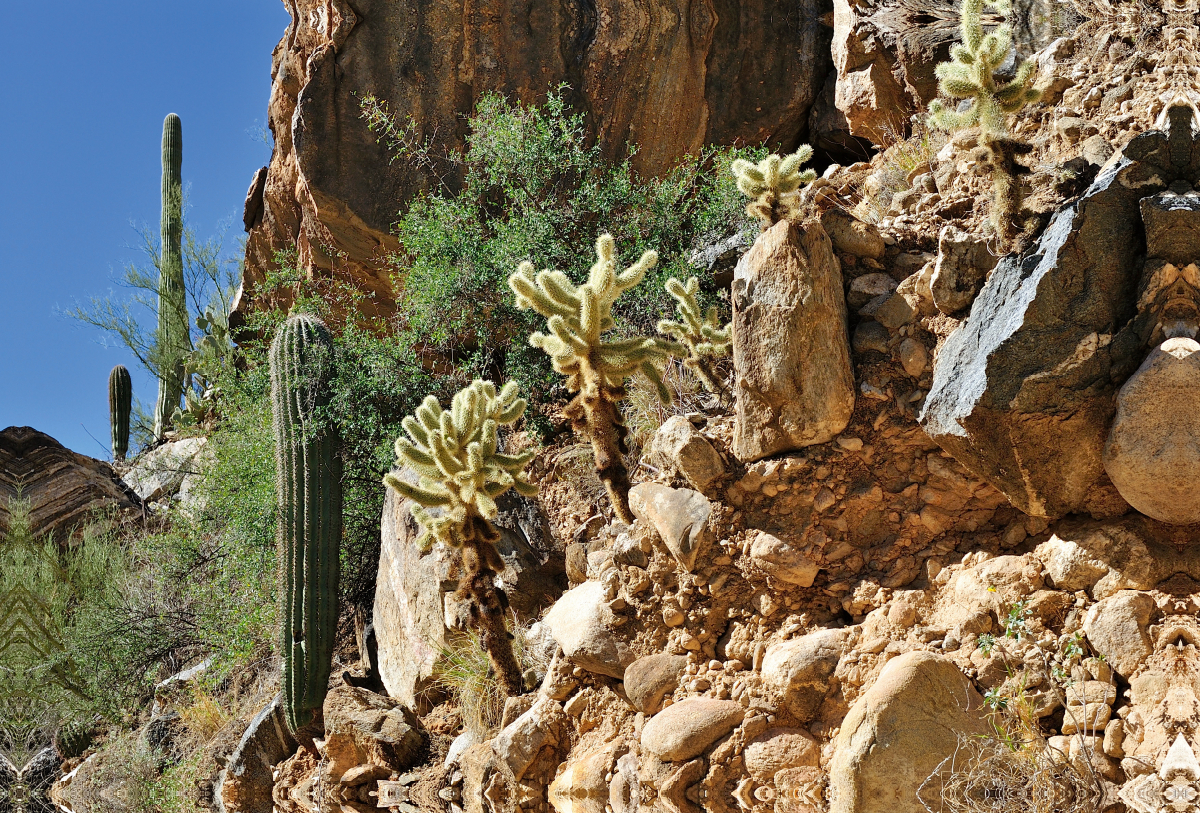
(971, 75)
(455, 455)
(772, 183)
(578, 317)
(702, 335)
(699, 337)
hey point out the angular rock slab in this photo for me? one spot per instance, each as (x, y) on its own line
(680, 516)
(581, 622)
(795, 386)
(899, 731)
(1153, 449)
(1023, 391)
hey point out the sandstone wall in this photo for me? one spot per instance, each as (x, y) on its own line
(670, 75)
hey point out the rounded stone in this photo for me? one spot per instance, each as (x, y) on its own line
(1153, 447)
(686, 729)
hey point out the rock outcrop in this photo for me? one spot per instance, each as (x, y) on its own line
(794, 387)
(62, 487)
(670, 77)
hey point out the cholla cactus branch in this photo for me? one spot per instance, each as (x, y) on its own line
(700, 337)
(595, 367)
(772, 184)
(971, 75)
(460, 470)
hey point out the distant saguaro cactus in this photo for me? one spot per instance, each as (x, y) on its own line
(172, 340)
(772, 183)
(701, 336)
(596, 368)
(120, 404)
(309, 487)
(461, 472)
(971, 74)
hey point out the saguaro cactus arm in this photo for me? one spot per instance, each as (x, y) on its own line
(120, 404)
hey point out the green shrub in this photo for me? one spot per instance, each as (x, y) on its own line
(535, 187)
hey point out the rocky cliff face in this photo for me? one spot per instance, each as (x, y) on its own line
(668, 75)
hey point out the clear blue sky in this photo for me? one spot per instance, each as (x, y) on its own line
(86, 86)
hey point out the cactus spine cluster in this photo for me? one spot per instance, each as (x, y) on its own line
(120, 404)
(460, 473)
(772, 184)
(700, 336)
(309, 487)
(172, 340)
(596, 368)
(971, 75)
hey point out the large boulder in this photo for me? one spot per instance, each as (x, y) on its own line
(899, 731)
(649, 679)
(1153, 449)
(245, 784)
(364, 728)
(1023, 392)
(668, 77)
(63, 488)
(962, 266)
(161, 471)
(801, 671)
(1118, 628)
(679, 448)
(686, 729)
(795, 387)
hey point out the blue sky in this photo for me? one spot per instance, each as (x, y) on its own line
(86, 86)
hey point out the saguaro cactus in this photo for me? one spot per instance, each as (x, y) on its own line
(172, 339)
(772, 183)
(701, 336)
(120, 404)
(309, 486)
(595, 368)
(971, 74)
(461, 472)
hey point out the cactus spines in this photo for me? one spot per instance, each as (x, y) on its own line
(596, 368)
(701, 335)
(120, 403)
(172, 340)
(772, 184)
(971, 75)
(309, 488)
(460, 471)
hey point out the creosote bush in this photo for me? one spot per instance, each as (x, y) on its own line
(531, 182)
(595, 366)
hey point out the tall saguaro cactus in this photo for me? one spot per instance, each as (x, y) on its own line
(309, 486)
(595, 367)
(172, 340)
(120, 404)
(455, 455)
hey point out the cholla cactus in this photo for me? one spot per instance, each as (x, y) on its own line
(701, 337)
(596, 368)
(971, 75)
(773, 183)
(455, 455)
